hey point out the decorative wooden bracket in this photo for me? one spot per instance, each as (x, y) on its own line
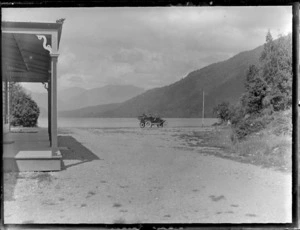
(45, 85)
(46, 47)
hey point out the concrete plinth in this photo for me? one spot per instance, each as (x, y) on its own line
(37, 161)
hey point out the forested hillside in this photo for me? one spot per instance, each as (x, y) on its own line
(268, 90)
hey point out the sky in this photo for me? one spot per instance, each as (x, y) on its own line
(150, 46)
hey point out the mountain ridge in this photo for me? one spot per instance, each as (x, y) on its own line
(105, 95)
(183, 98)
(77, 97)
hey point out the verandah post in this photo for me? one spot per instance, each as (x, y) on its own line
(54, 145)
(295, 46)
(49, 109)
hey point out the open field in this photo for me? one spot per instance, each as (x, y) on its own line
(132, 175)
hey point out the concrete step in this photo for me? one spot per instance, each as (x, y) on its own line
(29, 161)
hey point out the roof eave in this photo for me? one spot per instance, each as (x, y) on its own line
(35, 25)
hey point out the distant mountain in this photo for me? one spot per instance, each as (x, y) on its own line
(69, 93)
(223, 81)
(62, 98)
(90, 111)
(104, 95)
(76, 97)
(42, 100)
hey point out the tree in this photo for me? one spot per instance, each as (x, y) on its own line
(223, 111)
(256, 90)
(269, 86)
(276, 71)
(24, 111)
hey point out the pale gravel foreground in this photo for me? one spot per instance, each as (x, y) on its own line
(148, 176)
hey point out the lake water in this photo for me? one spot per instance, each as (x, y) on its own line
(123, 122)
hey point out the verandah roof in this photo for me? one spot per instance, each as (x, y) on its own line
(24, 57)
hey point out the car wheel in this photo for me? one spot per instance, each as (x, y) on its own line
(142, 124)
(148, 124)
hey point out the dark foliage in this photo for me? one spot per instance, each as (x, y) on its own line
(250, 125)
(24, 111)
(238, 113)
(223, 111)
(268, 88)
(276, 70)
(256, 90)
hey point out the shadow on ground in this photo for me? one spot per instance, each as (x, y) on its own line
(71, 149)
(10, 181)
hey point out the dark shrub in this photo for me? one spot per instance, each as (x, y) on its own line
(251, 125)
(246, 127)
(24, 111)
(223, 111)
(237, 114)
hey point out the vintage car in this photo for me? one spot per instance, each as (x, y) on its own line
(150, 120)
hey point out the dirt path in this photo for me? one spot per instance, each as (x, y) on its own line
(146, 176)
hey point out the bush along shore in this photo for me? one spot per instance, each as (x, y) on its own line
(260, 129)
(24, 111)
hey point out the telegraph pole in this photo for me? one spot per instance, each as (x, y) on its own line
(203, 109)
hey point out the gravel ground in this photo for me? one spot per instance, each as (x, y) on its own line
(128, 175)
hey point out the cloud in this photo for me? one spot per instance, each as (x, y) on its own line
(131, 56)
(75, 79)
(152, 47)
(67, 60)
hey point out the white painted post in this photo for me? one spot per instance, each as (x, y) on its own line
(8, 101)
(49, 109)
(203, 109)
(54, 145)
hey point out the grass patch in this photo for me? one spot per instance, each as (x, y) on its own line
(270, 148)
(218, 137)
(267, 150)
